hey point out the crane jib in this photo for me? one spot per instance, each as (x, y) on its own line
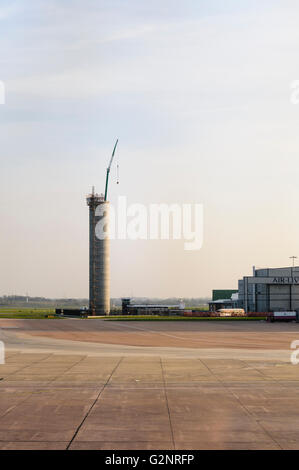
(108, 169)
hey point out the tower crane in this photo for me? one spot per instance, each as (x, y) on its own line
(108, 169)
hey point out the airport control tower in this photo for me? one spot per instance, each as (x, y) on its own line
(99, 250)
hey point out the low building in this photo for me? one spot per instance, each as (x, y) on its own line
(270, 290)
(218, 304)
(150, 309)
(219, 294)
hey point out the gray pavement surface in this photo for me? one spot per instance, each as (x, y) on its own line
(66, 394)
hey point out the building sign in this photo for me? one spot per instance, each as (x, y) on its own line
(273, 280)
(285, 280)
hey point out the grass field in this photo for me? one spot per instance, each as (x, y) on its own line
(43, 313)
(32, 313)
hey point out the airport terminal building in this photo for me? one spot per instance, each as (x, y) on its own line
(269, 290)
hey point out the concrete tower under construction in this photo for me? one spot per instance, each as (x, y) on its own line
(99, 255)
(99, 249)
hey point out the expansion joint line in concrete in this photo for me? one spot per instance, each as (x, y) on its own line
(30, 395)
(256, 420)
(93, 404)
(167, 404)
(244, 407)
(273, 379)
(28, 365)
(67, 370)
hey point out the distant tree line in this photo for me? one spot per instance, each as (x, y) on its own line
(40, 302)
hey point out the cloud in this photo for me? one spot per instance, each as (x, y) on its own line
(225, 55)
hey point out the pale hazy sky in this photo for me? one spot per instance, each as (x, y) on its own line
(198, 93)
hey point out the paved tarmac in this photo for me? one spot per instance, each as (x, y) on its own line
(196, 390)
